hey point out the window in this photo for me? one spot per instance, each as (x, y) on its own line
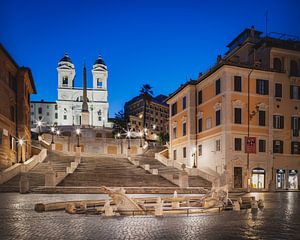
(65, 117)
(262, 87)
(184, 129)
(174, 154)
(174, 109)
(200, 150)
(65, 80)
(199, 125)
(183, 103)
(40, 110)
(48, 113)
(218, 86)
(294, 68)
(56, 115)
(13, 143)
(238, 144)
(237, 115)
(99, 83)
(184, 152)
(218, 117)
(277, 64)
(277, 146)
(295, 148)
(261, 118)
(208, 123)
(295, 124)
(237, 83)
(218, 145)
(278, 122)
(261, 145)
(294, 92)
(278, 90)
(55, 107)
(200, 97)
(174, 132)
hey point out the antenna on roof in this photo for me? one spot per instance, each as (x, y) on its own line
(267, 22)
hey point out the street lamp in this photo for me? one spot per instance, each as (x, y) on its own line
(57, 132)
(78, 135)
(21, 142)
(154, 126)
(52, 133)
(195, 164)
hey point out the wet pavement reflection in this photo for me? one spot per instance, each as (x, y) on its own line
(280, 219)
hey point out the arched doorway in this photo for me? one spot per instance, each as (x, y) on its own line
(258, 178)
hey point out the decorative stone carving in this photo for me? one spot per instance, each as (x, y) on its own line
(217, 106)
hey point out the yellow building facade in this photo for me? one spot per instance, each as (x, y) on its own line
(249, 135)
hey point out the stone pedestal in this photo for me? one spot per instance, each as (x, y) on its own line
(50, 179)
(183, 180)
(77, 151)
(175, 204)
(236, 206)
(158, 208)
(24, 184)
(85, 119)
(52, 146)
(108, 210)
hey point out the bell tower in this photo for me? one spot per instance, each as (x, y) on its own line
(66, 72)
(99, 74)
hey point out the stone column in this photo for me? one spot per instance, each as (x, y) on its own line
(24, 184)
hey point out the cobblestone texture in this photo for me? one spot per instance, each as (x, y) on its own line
(279, 220)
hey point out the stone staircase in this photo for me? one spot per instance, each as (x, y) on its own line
(112, 172)
(149, 158)
(36, 176)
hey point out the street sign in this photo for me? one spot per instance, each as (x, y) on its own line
(250, 144)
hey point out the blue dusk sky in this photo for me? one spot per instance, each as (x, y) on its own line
(162, 43)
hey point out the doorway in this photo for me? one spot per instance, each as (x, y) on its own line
(258, 178)
(293, 179)
(280, 178)
(238, 177)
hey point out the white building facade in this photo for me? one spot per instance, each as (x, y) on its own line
(69, 100)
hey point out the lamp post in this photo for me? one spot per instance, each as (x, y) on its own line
(195, 164)
(21, 142)
(78, 135)
(57, 132)
(141, 136)
(128, 137)
(52, 133)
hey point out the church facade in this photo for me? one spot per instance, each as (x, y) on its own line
(67, 110)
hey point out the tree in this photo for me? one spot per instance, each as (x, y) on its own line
(119, 122)
(146, 95)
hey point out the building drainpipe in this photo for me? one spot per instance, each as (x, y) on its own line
(196, 128)
(16, 118)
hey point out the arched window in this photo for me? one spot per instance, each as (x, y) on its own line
(294, 68)
(80, 99)
(277, 64)
(65, 80)
(99, 83)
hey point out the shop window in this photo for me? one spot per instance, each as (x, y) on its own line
(280, 179)
(278, 90)
(258, 178)
(262, 87)
(238, 144)
(293, 179)
(237, 83)
(278, 122)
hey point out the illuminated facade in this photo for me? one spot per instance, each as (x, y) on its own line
(209, 116)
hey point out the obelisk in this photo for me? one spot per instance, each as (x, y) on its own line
(85, 115)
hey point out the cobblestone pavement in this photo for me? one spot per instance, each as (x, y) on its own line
(279, 220)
